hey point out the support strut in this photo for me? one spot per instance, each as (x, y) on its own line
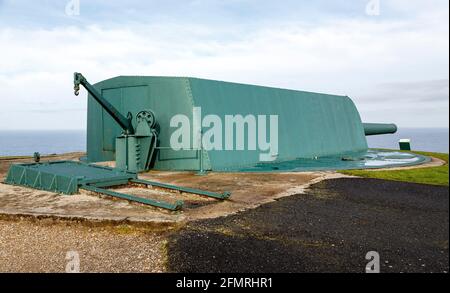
(160, 204)
(221, 196)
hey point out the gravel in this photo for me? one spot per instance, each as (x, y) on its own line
(27, 246)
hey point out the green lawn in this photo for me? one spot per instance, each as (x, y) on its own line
(433, 175)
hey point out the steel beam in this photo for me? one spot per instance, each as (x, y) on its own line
(160, 204)
(124, 122)
(216, 195)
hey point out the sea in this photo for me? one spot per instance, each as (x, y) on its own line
(46, 142)
(26, 142)
(422, 139)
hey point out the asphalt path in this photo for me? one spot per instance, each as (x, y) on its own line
(331, 228)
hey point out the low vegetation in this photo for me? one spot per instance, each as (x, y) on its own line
(431, 175)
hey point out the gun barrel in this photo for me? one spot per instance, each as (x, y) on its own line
(379, 128)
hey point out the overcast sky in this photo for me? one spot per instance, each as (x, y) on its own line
(393, 62)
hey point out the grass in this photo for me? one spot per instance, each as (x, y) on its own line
(433, 175)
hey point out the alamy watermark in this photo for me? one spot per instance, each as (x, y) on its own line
(373, 8)
(373, 266)
(226, 134)
(73, 264)
(72, 8)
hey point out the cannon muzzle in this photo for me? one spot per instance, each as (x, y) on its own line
(379, 128)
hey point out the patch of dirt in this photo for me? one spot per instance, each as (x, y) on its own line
(249, 190)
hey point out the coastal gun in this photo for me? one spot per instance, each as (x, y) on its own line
(136, 146)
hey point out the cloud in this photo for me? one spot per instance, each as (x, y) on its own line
(407, 54)
(416, 104)
(421, 91)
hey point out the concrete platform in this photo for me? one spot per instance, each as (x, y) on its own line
(248, 191)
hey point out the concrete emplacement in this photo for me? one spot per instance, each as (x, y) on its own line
(129, 121)
(249, 190)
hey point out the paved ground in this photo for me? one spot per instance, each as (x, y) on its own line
(328, 229)
(248, 191)
(105, 243)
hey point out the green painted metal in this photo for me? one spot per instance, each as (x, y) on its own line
(21, 175)
(222, 196)
(405, 144)
(64, 176)
(135, 146)
(36, 157)
(165, 96)
(371, 159)
(379, 128)
(67, 177)
(124, 122)
(136, 152)
(160, 204)
(310, 124)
